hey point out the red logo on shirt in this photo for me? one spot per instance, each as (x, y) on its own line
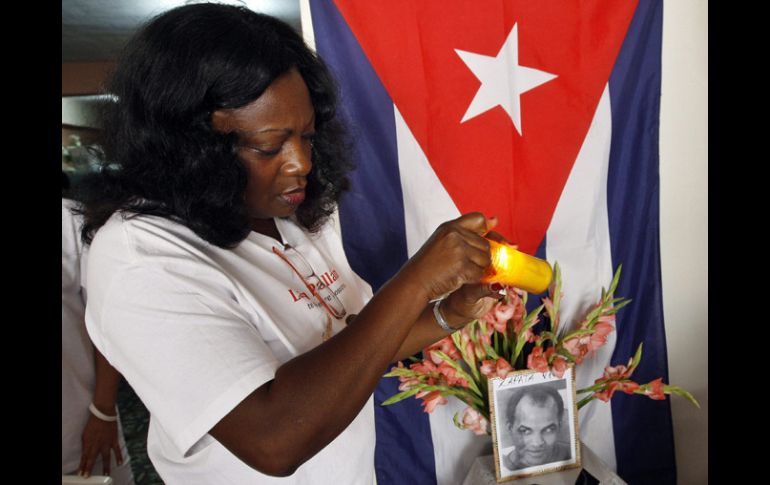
(326, 278)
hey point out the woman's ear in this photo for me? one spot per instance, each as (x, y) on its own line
(221, 121)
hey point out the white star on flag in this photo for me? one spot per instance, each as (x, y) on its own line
(503, 80)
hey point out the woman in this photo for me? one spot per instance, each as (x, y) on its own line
(215, 286)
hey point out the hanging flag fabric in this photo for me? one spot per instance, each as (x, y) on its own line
(544, 114)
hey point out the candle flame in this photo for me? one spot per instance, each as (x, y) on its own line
(515, 268)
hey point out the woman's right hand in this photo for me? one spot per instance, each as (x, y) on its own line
(455, 254)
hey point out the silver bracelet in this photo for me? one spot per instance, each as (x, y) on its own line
(440, 318)
(101, 415)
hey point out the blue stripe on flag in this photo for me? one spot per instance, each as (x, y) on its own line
(534, 300)
(373, 231)
(643, 431)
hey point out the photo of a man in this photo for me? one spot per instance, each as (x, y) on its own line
(534, 424)
(534, 417)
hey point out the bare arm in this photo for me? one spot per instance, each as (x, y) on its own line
(314, 396)
(461, 307)
(467, 303)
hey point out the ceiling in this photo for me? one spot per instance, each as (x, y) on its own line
(96, 30)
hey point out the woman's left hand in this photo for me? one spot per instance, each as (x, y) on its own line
(99, 438)
(471, 301)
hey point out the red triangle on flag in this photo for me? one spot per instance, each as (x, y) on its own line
(484, 163)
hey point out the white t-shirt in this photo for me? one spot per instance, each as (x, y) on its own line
(195, 329)
(78, 377)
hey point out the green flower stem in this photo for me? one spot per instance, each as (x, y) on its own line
(506, 343)
(680, 392)
(402, 395)
(585, 401)
(529, 321)
(596, 387)
(469, 359)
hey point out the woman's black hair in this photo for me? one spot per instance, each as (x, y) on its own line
(162, 156)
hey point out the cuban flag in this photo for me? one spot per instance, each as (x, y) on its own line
(544, 114)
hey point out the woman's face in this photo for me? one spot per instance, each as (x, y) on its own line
(275, 134)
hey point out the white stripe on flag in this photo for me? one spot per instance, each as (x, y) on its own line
(427, 204)
(579, 239)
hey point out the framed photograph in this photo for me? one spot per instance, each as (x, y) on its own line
(534, 423)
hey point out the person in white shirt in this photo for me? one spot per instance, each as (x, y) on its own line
(217, 286)
(91, 435)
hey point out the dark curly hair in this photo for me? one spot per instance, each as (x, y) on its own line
(161, 153)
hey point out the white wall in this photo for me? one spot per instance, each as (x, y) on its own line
(684, 224)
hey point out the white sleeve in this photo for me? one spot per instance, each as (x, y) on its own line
(188, 349)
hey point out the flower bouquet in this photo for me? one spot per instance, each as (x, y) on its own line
(507, 339)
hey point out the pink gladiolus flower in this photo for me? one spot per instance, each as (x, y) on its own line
(617, 379)
(478, 348)
(548, 304)
(606, 394)
(496, 368)
(451, 375)
(445, 345)
(503, 368)
(514, 299)
(490, 320)
(486, 337)
(579, 346)
(474, 421)
(487, 368)
(610, 319)
(655, 389)
(574, 347)
(507, 317)
(599, 337)
(431, 400)
(503, 312)
(626, 386)
(424, 367)
(537, 361)
(559, 366)
(407, 382)
(470, 349)
(617, 372)
(465, 341)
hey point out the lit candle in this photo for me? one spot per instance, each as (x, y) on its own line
(514, 268)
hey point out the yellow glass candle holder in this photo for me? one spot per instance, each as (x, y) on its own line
(514, 268)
